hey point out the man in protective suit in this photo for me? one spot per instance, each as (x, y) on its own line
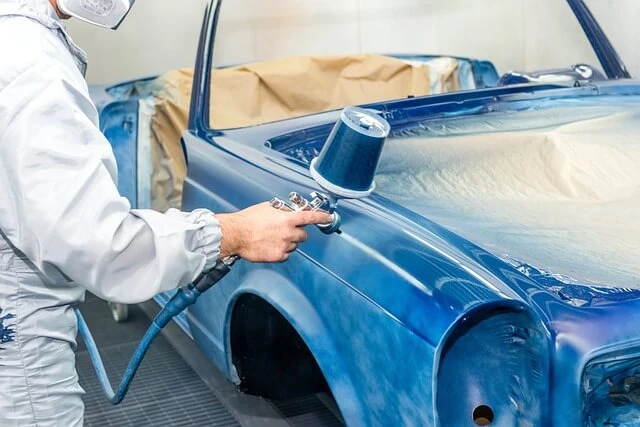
(65, 229)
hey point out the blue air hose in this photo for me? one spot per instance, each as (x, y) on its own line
(183, 298)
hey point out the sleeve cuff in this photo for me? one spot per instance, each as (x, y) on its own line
(206, 238)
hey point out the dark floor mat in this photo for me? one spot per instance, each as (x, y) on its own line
(165, 392)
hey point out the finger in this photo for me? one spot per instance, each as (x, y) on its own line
(311, 217)
(299, 235)
(291, 247)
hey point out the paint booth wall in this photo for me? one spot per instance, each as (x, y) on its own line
(514, 34)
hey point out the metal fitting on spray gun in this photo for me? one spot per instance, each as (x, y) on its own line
(319, 201)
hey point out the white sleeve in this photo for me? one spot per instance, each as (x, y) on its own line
(59, 203)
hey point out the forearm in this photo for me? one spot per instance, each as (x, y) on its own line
(152, 253)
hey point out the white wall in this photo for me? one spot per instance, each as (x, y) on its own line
(515, 34)
(156, 36)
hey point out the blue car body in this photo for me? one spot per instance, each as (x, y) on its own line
(402, 320)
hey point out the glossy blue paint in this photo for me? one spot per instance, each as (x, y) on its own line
(610, 389)
(419, 275)
(119, 123)
(607, 55)
(484, 73)
(204, 62)
(479, 364)
(576, 294)
(410, 323)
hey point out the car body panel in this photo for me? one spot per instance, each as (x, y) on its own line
(350, 294)
(232, 169)
(409, 322)
(400, 247)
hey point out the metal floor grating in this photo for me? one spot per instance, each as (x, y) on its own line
(307, 411)
(167, 391)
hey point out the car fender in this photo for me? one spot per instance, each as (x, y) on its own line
(278, 290)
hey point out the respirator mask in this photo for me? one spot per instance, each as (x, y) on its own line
(103, 13)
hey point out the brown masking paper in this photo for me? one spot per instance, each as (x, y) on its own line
(274, 90)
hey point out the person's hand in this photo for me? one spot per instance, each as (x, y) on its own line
(261, 233)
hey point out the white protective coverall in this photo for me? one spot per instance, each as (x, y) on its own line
(63, 226)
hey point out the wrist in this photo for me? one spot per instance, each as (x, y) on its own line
(231, 230)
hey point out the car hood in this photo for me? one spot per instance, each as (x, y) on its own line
(556, 190)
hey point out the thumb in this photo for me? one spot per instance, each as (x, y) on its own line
(312, 217)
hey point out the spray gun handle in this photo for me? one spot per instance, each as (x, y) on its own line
(212, 276)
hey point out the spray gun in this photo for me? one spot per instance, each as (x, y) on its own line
(346, 165)
(344, 168)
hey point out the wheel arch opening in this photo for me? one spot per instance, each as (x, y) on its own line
(271, 358)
